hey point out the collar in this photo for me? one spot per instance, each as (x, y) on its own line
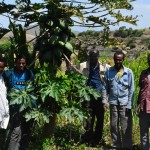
(125, 69)
(88, 64)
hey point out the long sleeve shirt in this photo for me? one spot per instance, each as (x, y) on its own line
(4, 107)
(120, 90)
(95, 77)
(144, 93)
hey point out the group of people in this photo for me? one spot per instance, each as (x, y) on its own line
(18, 132)
(116, 85)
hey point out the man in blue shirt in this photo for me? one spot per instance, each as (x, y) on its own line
(16, 77)
(119, 84)
(94, 70)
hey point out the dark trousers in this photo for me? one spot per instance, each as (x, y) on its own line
(94, 130)
(144, 120)
(19, 132)
(119, 117)
(2, 138)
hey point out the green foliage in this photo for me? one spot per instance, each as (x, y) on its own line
(63, 94)
(57, 18)
(89, 33)
(137, 65)
(145, 41)
(18, 43)
(82, 54)
(23, 98)
(6, 7)
(69, 91)
(4, 48)
(39, 115)
(124, 33)
(131, 43)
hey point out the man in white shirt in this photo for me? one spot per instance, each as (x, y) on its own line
(4, 107)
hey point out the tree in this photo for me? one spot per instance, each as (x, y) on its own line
(93, 13)
(55, 17)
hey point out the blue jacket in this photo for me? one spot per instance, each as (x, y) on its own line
(9, 77)
(119, 91)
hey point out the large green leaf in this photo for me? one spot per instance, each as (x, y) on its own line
(23, 98)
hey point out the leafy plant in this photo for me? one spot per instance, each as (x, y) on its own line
(69, 91)
(63, 94)
(23, 98)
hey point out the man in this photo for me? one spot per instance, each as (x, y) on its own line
(19, 129)
(143, 106)
(4, 108)
(94, 70)
(119, 84)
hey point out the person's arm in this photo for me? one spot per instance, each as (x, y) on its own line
(32, 76)
(6, 76)
(131, 90)
(105, 90)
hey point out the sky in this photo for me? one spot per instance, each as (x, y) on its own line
(141, 8)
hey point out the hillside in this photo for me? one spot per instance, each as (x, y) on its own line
(132, 39)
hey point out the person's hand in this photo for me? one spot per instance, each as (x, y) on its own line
(105, 106)
(128, 110)
(137, 109)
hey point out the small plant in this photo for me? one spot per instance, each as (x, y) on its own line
(63, 94)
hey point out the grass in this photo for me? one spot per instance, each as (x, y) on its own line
(68, 136)
(4, 40)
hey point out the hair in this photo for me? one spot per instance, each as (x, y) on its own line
(119, 53)
(21, 56)
(93, 51)
(4, 60)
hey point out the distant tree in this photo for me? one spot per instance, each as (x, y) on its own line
(130, 30)
(131, 43)
(137, 33)
(123, 32)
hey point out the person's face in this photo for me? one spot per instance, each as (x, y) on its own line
(118, 60)
(21, 63)
(2, 65)
(93, 58)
